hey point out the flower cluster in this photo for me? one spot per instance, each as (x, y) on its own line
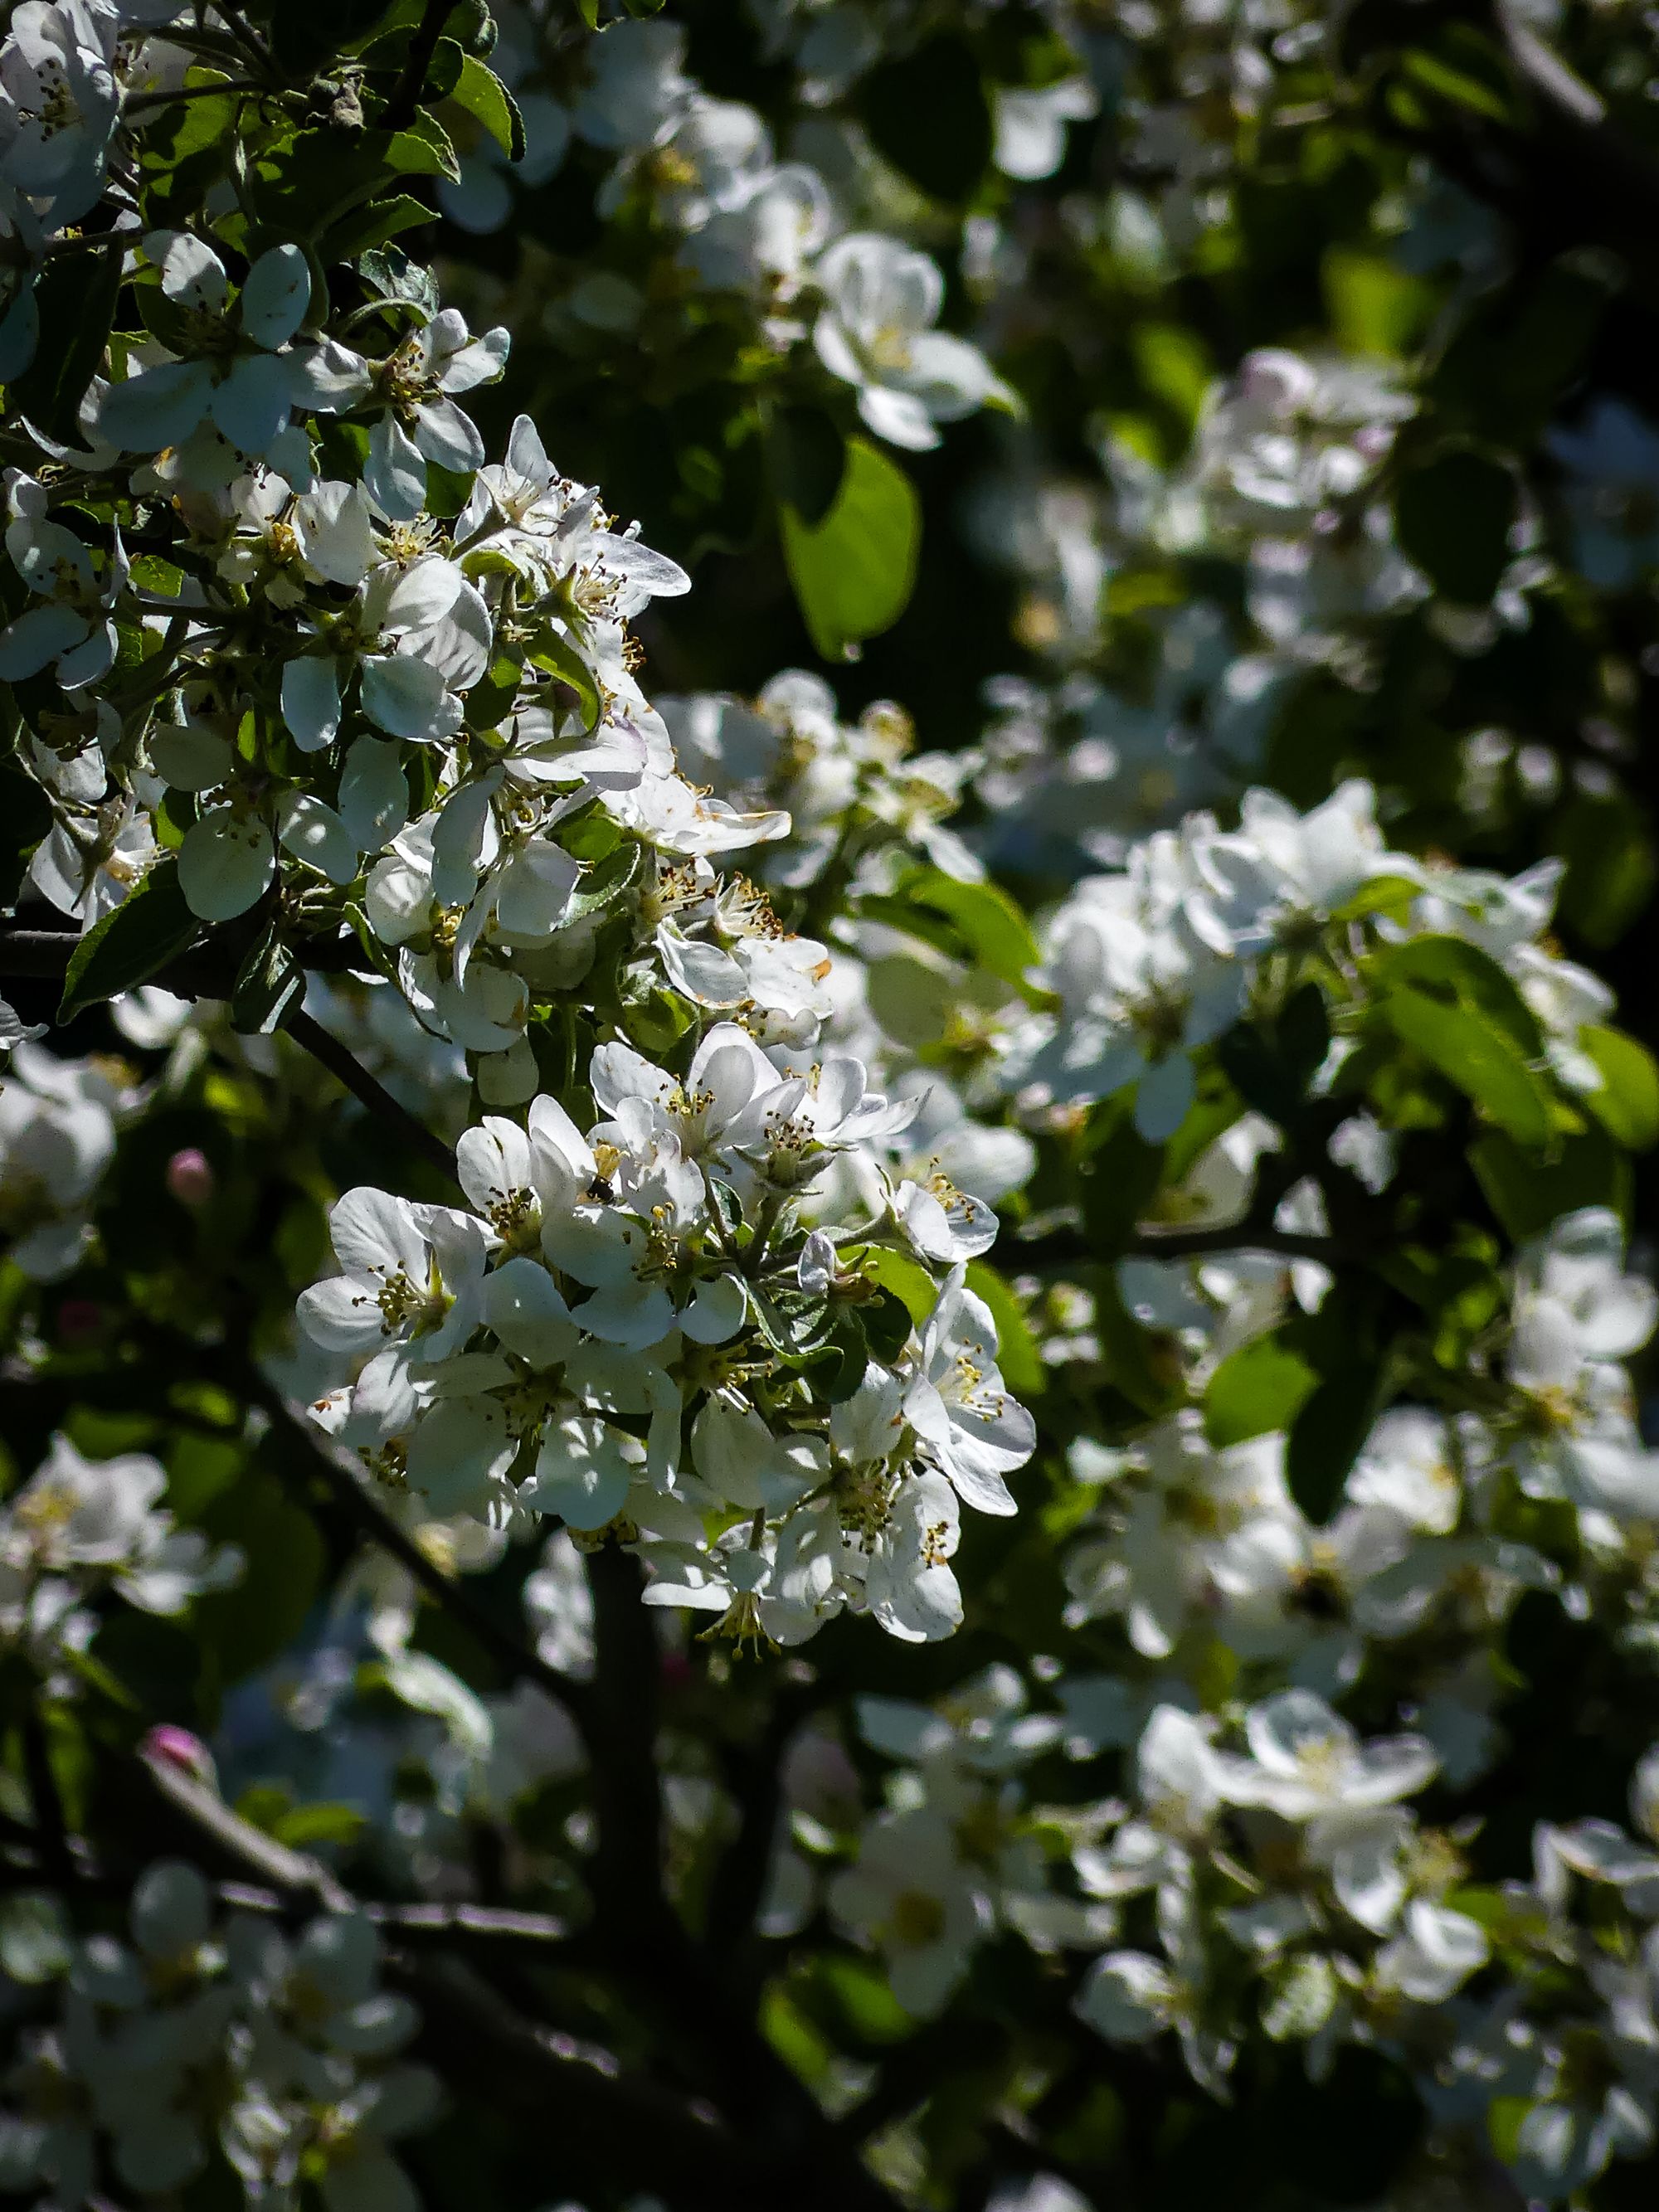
(850, 792)
(57, 1122)
(633, 1331)
(739, 228)
(202, 2037)
(80, 1526)
(1153, 963)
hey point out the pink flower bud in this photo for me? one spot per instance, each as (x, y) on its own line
(191, 1178)
(172, 1746)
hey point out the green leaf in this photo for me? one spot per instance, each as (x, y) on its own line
(368, 228)
(1454, 515)
(808, 458)
(1375, 305)
(307, 1825)
(487, 99)
(391, 272)
(1455, 1006)
(1325, 1437)
(852, 2001)
(606, 881)
(907, 1278)
(310, 181)
(557, 656)
(927, 114)
(1472, 1053)
(656, 1020)
(1526, 1193)
(887, 1324)
(1016, 1350)
(1465, 69)
(836, 1372)
(1482, 1063)
(997, 933)
(422, 149)
(127, 947)
(590, 833)
(76, 296)
(1262, 1386)
(853, 572)
(1450, 967)
(179, 133)
(1627, 1104)
(1174, 364)
(796, 1324)
(269, 986)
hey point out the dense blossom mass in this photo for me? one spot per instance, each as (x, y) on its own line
(549, 1165)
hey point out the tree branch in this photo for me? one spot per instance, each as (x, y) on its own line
(739, 1882)
(309, 1034)
(46, 953)
(613, 2128)
(423, 45)
(691, 1988)
(201, 973)
(620, 1731)
(1065, 1247)
(661, 2138)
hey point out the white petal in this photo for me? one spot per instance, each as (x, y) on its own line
(158, 407)
(522, 1305)
(583, 1472)
(226, 863)
(314, 833)
(275, 297)
(311, 704)
(253, 403)
(192, 274)
(405, 697)
(394, 472)
(373, 792)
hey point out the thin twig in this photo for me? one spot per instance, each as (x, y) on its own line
(415, 1922)
(516, 1659)
(47, 952)
(1063, 1248)
(423, 45)
(309, 1033)
(294, 1873)
(462, 2008)
(243, 31)
(241, 87)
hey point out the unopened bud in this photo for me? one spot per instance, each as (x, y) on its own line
(191, 1178)
(172, 1746)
